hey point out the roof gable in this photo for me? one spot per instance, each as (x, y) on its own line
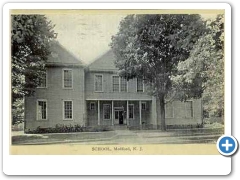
(104, 62)
(61, 56)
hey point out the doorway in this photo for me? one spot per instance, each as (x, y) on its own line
(119, 116)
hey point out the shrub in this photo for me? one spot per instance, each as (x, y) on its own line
(61, 128)
(184, 126)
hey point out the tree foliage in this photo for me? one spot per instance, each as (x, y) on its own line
(202, 74)
(150, 47)
(30, 41)
(18, 111)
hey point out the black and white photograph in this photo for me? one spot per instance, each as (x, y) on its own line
(117, 77)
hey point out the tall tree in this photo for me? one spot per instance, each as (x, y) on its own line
(150, 47)
(30, 41)
(202, 74)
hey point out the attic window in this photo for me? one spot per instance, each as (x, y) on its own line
(54, 55)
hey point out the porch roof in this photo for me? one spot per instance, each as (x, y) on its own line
(92, 99)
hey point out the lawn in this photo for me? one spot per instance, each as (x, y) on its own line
(174, 136)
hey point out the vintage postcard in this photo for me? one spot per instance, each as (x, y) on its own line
(140, 81)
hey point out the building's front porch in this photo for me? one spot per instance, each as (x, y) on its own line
(118, 112)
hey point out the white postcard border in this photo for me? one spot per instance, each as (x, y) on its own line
(94, 164)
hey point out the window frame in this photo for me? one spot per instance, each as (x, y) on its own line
(41, 100)
(119, 83)
(145, 103)
(95, 82)
(186, 109)
(67, 119)
(172, 110)
(63, 85)
(91, 106)
(137, 86)
(129, 111)
(42, 87)
(119, 88)
(109, 111)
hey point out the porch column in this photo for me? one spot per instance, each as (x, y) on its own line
(140, 113)
(112, 112)
(98, 112)
(127, 114)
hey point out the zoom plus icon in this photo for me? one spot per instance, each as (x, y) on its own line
(227, 145)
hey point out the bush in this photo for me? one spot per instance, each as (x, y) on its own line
(19, 126)
(214, 125)
(61, 128)
(184, 126)
(98, 129)
(212, 120)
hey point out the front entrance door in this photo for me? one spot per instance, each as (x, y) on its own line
(120, 117)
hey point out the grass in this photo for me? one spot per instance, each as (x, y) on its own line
(197, 135)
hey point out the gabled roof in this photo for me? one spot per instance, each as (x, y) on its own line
(60, 56)
(104, 62)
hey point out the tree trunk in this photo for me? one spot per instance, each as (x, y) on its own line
(162, 111)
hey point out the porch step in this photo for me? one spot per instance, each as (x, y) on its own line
(120, 127)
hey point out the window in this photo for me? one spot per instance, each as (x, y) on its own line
(98, 83)
(68, 110)
(41, 110)
(123, 84)
(139, 85)
(131, 111)
(92, 106)
(115, 83)
(169, 110)
(116, 114)
(43, 81)
(144, 104)
(189, 109)
(106, 111)
(119, 84)
(67, 78)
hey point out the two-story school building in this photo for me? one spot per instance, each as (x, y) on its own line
(94, 95)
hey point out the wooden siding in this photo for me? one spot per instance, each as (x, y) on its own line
(179, 114)
(108, 93)
(55, 95)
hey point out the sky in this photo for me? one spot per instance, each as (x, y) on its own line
(88, 36)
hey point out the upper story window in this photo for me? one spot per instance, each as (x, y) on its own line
(115, 83)
(189, 109)
(67, 78)
(119, 84)
(140, 86)
(98, 83)
(43, 81)
(41, 109)
(123, 84)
